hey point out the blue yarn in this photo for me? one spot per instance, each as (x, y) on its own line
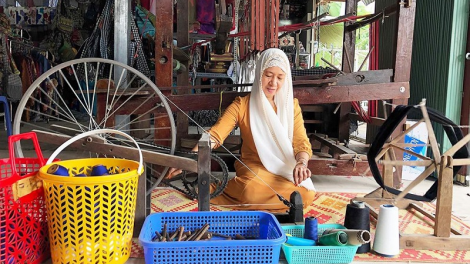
(311, 228)
(99, 170)
(58, 170)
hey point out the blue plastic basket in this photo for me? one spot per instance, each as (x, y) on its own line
(264, 227)
(316, 254)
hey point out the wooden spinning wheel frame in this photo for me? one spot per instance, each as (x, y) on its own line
(444, 236)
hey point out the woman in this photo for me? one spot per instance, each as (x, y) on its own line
(275, 149)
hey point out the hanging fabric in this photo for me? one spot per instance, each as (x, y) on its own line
(13, 85)
(64, 22)
(137, 59)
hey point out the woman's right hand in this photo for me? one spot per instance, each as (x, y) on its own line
(173, 172)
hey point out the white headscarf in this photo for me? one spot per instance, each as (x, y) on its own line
(273, 132)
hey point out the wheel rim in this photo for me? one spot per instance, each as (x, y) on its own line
(75, 105)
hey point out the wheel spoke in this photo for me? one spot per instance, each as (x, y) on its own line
(127, 100)
(73, 105)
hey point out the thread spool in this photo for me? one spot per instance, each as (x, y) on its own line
(298, 241)
(339, 238)
(357, 218)
(57, 169)
(99, 170)
(387, 235)
(311, 228)
(355, 237)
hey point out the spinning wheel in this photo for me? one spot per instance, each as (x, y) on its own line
(64, 101)
(444, 165)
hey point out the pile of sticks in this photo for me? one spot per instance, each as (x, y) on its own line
(199, 234)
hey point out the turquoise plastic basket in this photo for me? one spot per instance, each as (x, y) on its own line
(316, 254)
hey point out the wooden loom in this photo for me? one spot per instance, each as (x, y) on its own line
(444, 237)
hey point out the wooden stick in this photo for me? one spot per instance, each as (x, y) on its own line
(190, 238)
(185, 235)
(164, 230)
(158, 237)
(422, 211)
(201, 232)
(220, 235)
(180, 235)
(177, 231)
(410, 152)
(206, 236)
(347, 58)
(456, 147)
(402, 135)
(406, 162)
(239, 237)
(432, 137)
(333, 66)
(415, 182)
(365, 59)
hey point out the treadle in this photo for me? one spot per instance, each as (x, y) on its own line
(329, 145)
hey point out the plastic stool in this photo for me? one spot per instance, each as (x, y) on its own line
(6, 114)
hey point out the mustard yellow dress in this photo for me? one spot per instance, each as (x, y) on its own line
(247, 191)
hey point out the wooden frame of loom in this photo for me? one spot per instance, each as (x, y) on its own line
(395, 88)
(444, 237)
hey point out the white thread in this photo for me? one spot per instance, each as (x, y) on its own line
(205, 131)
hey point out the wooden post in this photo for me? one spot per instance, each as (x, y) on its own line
(444, 201)
(182, 78)
(163, 63)
(349, 49)
(203, 171)
(404, 47)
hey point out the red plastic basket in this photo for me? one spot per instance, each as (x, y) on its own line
(23, 226)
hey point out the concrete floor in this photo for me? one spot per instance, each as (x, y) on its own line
(461, 194)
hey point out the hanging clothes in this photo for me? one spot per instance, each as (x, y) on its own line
(205, 14)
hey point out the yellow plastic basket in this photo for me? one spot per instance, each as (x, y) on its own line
(91, 219)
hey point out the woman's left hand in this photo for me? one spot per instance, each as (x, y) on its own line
(301, 173)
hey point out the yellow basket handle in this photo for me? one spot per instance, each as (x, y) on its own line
(140, 170)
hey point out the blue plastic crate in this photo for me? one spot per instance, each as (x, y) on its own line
(264, 227)
(316, 254)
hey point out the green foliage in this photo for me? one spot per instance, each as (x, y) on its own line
(331, 37)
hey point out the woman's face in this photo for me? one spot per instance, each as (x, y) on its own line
(272, 80)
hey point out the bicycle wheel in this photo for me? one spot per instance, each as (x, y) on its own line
(94, 93)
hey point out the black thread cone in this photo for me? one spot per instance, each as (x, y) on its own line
(358, 218)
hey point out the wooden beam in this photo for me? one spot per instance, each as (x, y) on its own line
(313, 95)
(336, 167)
(119, 151)
(306, 96)
(430, 242)
(366, 77)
